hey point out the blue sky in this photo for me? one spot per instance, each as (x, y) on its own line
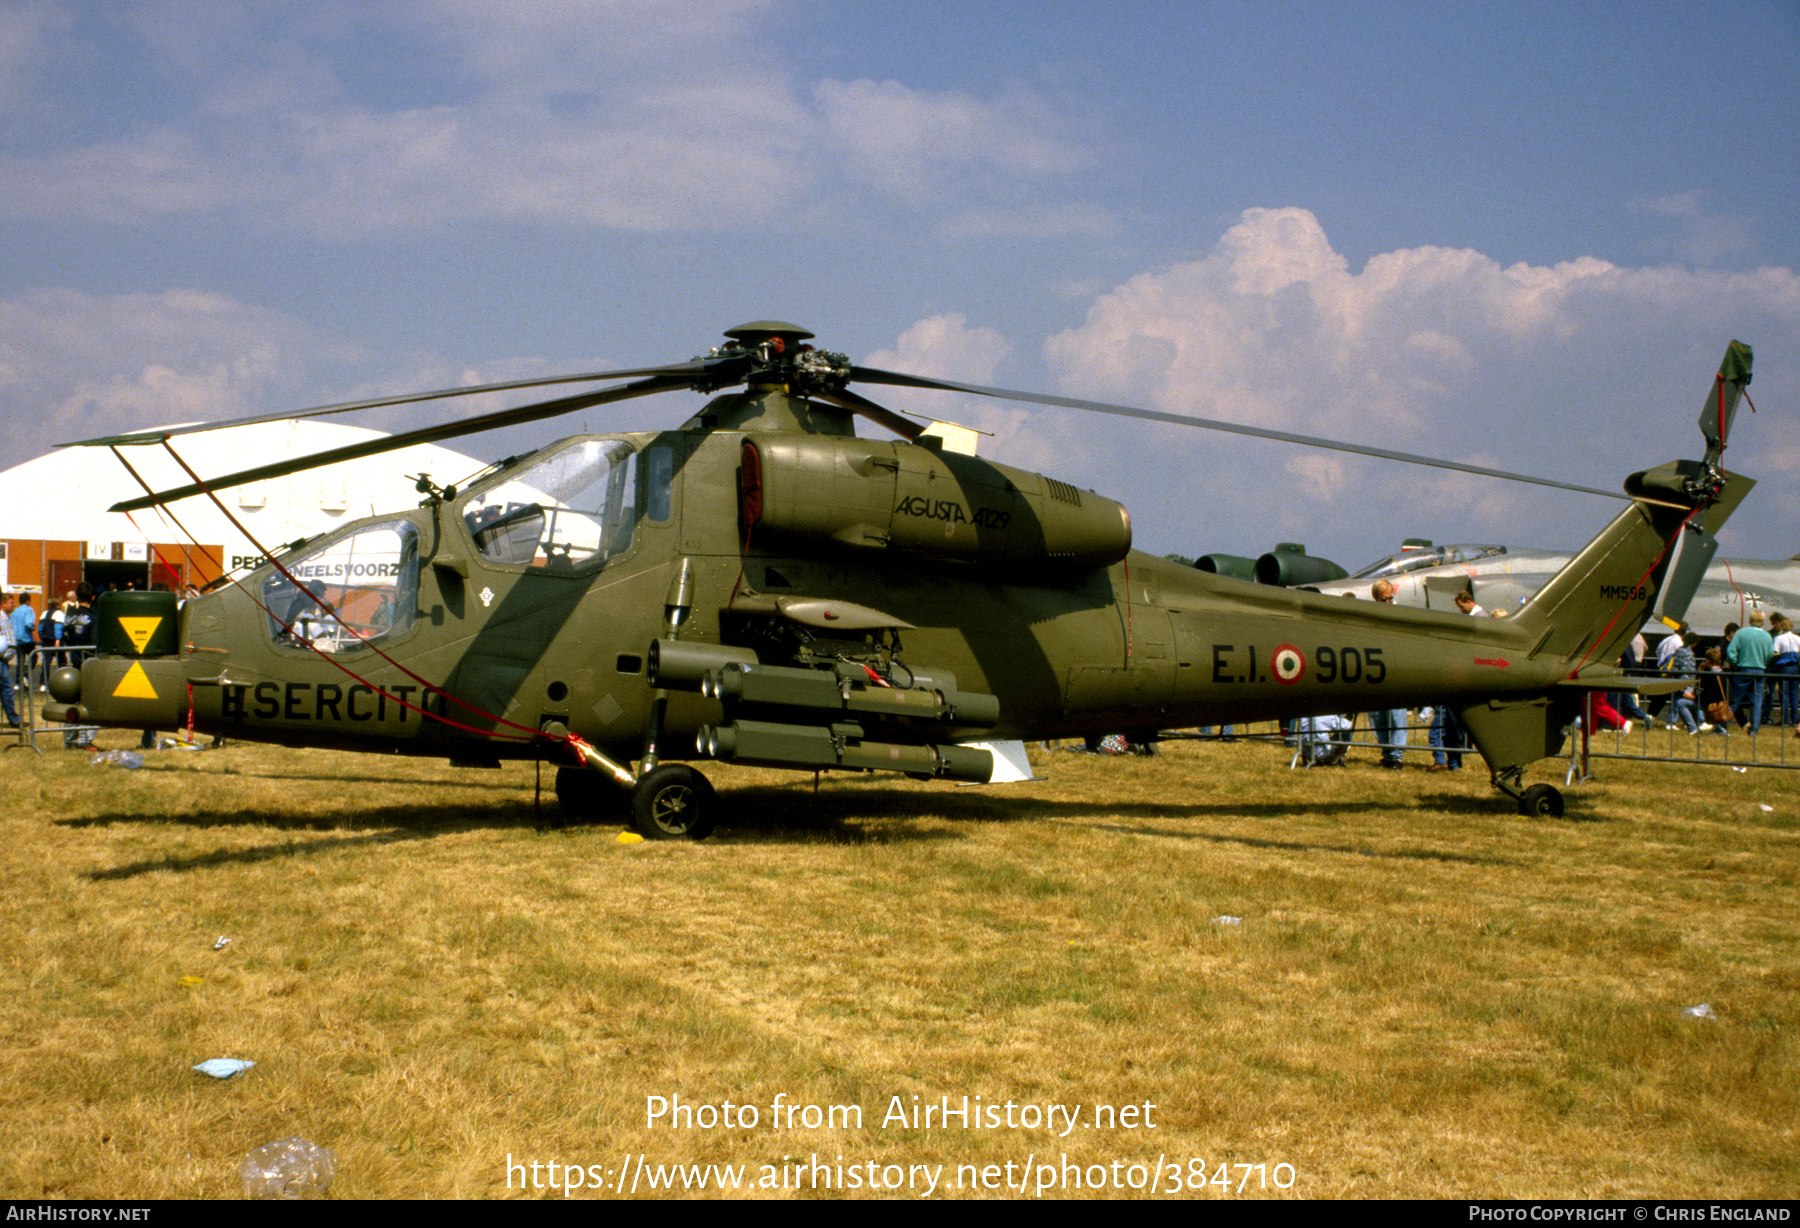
(1513, 234)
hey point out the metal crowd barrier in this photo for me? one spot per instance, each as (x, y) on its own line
(29, 698)
(1667, 741)
(1301, 733)
(1663, 740)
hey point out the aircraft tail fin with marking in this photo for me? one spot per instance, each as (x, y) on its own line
(1582, 619)
(1595, 605)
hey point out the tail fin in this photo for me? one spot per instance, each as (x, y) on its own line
(1592, 608)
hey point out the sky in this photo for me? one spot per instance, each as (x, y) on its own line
(1517, 235)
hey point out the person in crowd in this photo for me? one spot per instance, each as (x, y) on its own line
(24, 631)
(1666, 648)
(1680, 663)
(1448, 738)
(78, 637)
(1714, 691)
(1389, 724)
(1323, 739)
(1625, 702)
(1669, 645)
(1782, 706)
(1606, 716)
(49, 635)
(1748, 654)
(9, 653)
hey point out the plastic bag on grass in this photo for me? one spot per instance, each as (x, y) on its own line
(288, 1168)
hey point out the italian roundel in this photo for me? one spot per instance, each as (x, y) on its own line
(1287, 664)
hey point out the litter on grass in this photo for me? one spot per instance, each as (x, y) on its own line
(223, 1067)
(288, 1168)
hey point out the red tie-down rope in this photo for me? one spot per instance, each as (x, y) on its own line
(1719, 383)
(168, 514)
(167, 565)
(525, 732)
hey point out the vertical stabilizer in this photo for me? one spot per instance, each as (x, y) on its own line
(1592, 608)
(1583, 618)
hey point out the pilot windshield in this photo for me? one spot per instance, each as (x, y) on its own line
(574, 507)
(347, 593)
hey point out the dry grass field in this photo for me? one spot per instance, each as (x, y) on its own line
(1427, 995)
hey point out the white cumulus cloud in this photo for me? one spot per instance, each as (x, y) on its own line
(625, 115)
(1578, 371)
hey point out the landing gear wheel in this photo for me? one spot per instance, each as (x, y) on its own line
(1543, 801)
(673, 802)
(588, 797)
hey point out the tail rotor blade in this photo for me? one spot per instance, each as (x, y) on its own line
(1720, 407)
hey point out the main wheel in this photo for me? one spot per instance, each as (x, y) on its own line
(588, 797)
(1544, 801)
(673, 802)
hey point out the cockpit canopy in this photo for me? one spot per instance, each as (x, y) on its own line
(1418, 560)
(577, 506)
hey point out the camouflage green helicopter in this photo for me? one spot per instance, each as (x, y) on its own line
(761, 586)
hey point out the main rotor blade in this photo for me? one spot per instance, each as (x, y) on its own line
(429, 434)
(870, 375)
(880, 415)
(684, 370)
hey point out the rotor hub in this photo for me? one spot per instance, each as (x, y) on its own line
(774, 352)
(758, 331)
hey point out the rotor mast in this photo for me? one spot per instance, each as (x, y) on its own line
(774, 398)
(773, 407)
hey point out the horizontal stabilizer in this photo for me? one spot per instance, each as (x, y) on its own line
(1614, 681)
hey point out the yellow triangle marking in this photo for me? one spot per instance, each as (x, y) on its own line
(136, 683)
(139, 630)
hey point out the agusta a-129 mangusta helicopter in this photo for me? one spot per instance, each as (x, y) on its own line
(759, 585)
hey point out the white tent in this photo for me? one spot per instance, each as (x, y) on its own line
(62, 497)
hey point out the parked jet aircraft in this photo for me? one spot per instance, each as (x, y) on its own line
(1505, 577)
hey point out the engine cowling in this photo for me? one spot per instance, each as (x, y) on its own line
(864, 495)
(1289, 564)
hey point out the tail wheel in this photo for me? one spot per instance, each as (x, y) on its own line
(1543, 801)
(673, 802)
